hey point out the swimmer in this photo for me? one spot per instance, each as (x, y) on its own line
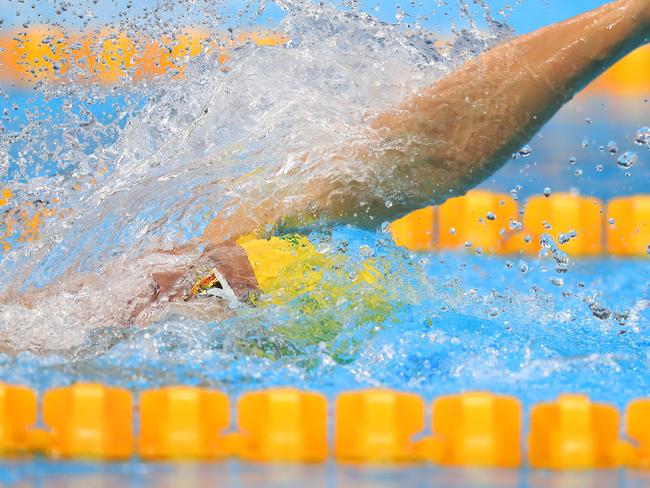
(438, 143)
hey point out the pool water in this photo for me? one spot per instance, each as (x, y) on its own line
(137, 167)
(435, 324)
(233, 474)
(132, 168)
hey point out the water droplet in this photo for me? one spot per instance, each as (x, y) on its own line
(523, 266)
(452, 231)
(572, 160)
(524, 152)
(562, 267)
(611, 221)
(566, 237)
(601, 148)
(547, 192)
(599, 311)
(588, 121)
(323, 247)
(546, 241)
(388, 204)
(599, 168)
(642, 137)
(585, 143)
(468, 243)
(578, 172)
(557, 281)
(515, 225)
(627, 159)
(490, 216)
(365, 250)
(508, 264)
(612, 147)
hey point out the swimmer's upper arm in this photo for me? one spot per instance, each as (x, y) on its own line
(458, 131)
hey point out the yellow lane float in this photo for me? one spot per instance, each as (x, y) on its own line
(474, 429)
(183, 422)
(377, 425)
(628, 226)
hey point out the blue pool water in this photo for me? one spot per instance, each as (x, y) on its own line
(437, 324)
(240, 475)
(132, 169)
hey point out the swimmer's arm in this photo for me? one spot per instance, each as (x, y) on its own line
(469, 123)
(451, 135)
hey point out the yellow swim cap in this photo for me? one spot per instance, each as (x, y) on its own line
(289, 262)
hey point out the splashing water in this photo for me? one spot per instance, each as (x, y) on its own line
(147, 168)
(116, 175)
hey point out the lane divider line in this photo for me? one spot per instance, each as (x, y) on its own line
(93, 421)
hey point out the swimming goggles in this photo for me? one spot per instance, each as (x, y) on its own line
(213, 285)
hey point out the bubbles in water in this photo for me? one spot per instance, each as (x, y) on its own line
(642, 137)
(611, 221)
(578, 172)
(599, 168)
(547, 192)
(627, 159)
(557, 281)
(490, 216)
(388, 203)
(612, 147)
(572, 160)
